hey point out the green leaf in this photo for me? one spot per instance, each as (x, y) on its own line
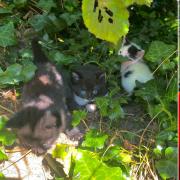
(28, 70)
(70, 18)
(5, 10)
(46, 5)
(94, 139)
(77, 116)
(11, 75)
(38, 22)
(108, 20)
(171, 94)
(166, 168)
(62, 59)
(88, 166)
(171, 153)
(103, 103)
(2, 177)
(20, 3)
(3, 121)
(60, 151)
(7, 35)
(158, 50)
(3, 156)
(7, 138)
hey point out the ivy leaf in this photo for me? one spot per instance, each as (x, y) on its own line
(166, 168)
(3, 121)
(78, 116)
(7, 138)
(171, 153)
(158, 50)
(28, 70)
(94, 139)
(11, 75)
(62, 59)
(38, 22)
(103, 103)
(3, 156)
(70, 18)
(46, 5)
(88, 166)
(20, 3)
(7, 35)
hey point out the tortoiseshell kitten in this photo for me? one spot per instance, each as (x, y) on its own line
(44, 113)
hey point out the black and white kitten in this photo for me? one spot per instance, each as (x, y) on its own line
(131, 50)
(87, 82)
(44, 113)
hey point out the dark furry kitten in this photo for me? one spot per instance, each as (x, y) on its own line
(44, 113)
(131, 50)
(87, 82)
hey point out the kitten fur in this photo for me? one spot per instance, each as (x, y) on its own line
(87, 82)
(132, 72)
(131, 50)
(44, 113)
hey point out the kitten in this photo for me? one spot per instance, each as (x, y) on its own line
(87, 82)
(44, 113)
(131, 50)
(132, 72)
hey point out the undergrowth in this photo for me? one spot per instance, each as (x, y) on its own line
(109, 151)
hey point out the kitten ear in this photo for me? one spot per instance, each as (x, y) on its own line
(140, 54)
(102, 76)
(126, 41)
(75, 76)
(16, 121)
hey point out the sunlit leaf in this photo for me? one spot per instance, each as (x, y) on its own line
(108, 20)
(88, 166)
(7, 138)
(3, 156)
(60, 151)
(77, 116)
(94, 139)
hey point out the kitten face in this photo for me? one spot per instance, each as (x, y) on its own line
(131, 50)
(88, 82)
(41, 131)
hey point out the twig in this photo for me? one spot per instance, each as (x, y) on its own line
(141, 138)
(6, 109)
(16, 160)
(164, 61)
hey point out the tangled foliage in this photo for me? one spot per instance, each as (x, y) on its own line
(105, 152)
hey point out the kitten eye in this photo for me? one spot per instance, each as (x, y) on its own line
(95, 91)
(75, 76)
(50, 126)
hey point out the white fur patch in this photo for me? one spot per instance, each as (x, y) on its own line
(80, 101)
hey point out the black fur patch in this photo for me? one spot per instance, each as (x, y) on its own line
(126, 75)
(133, 51)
